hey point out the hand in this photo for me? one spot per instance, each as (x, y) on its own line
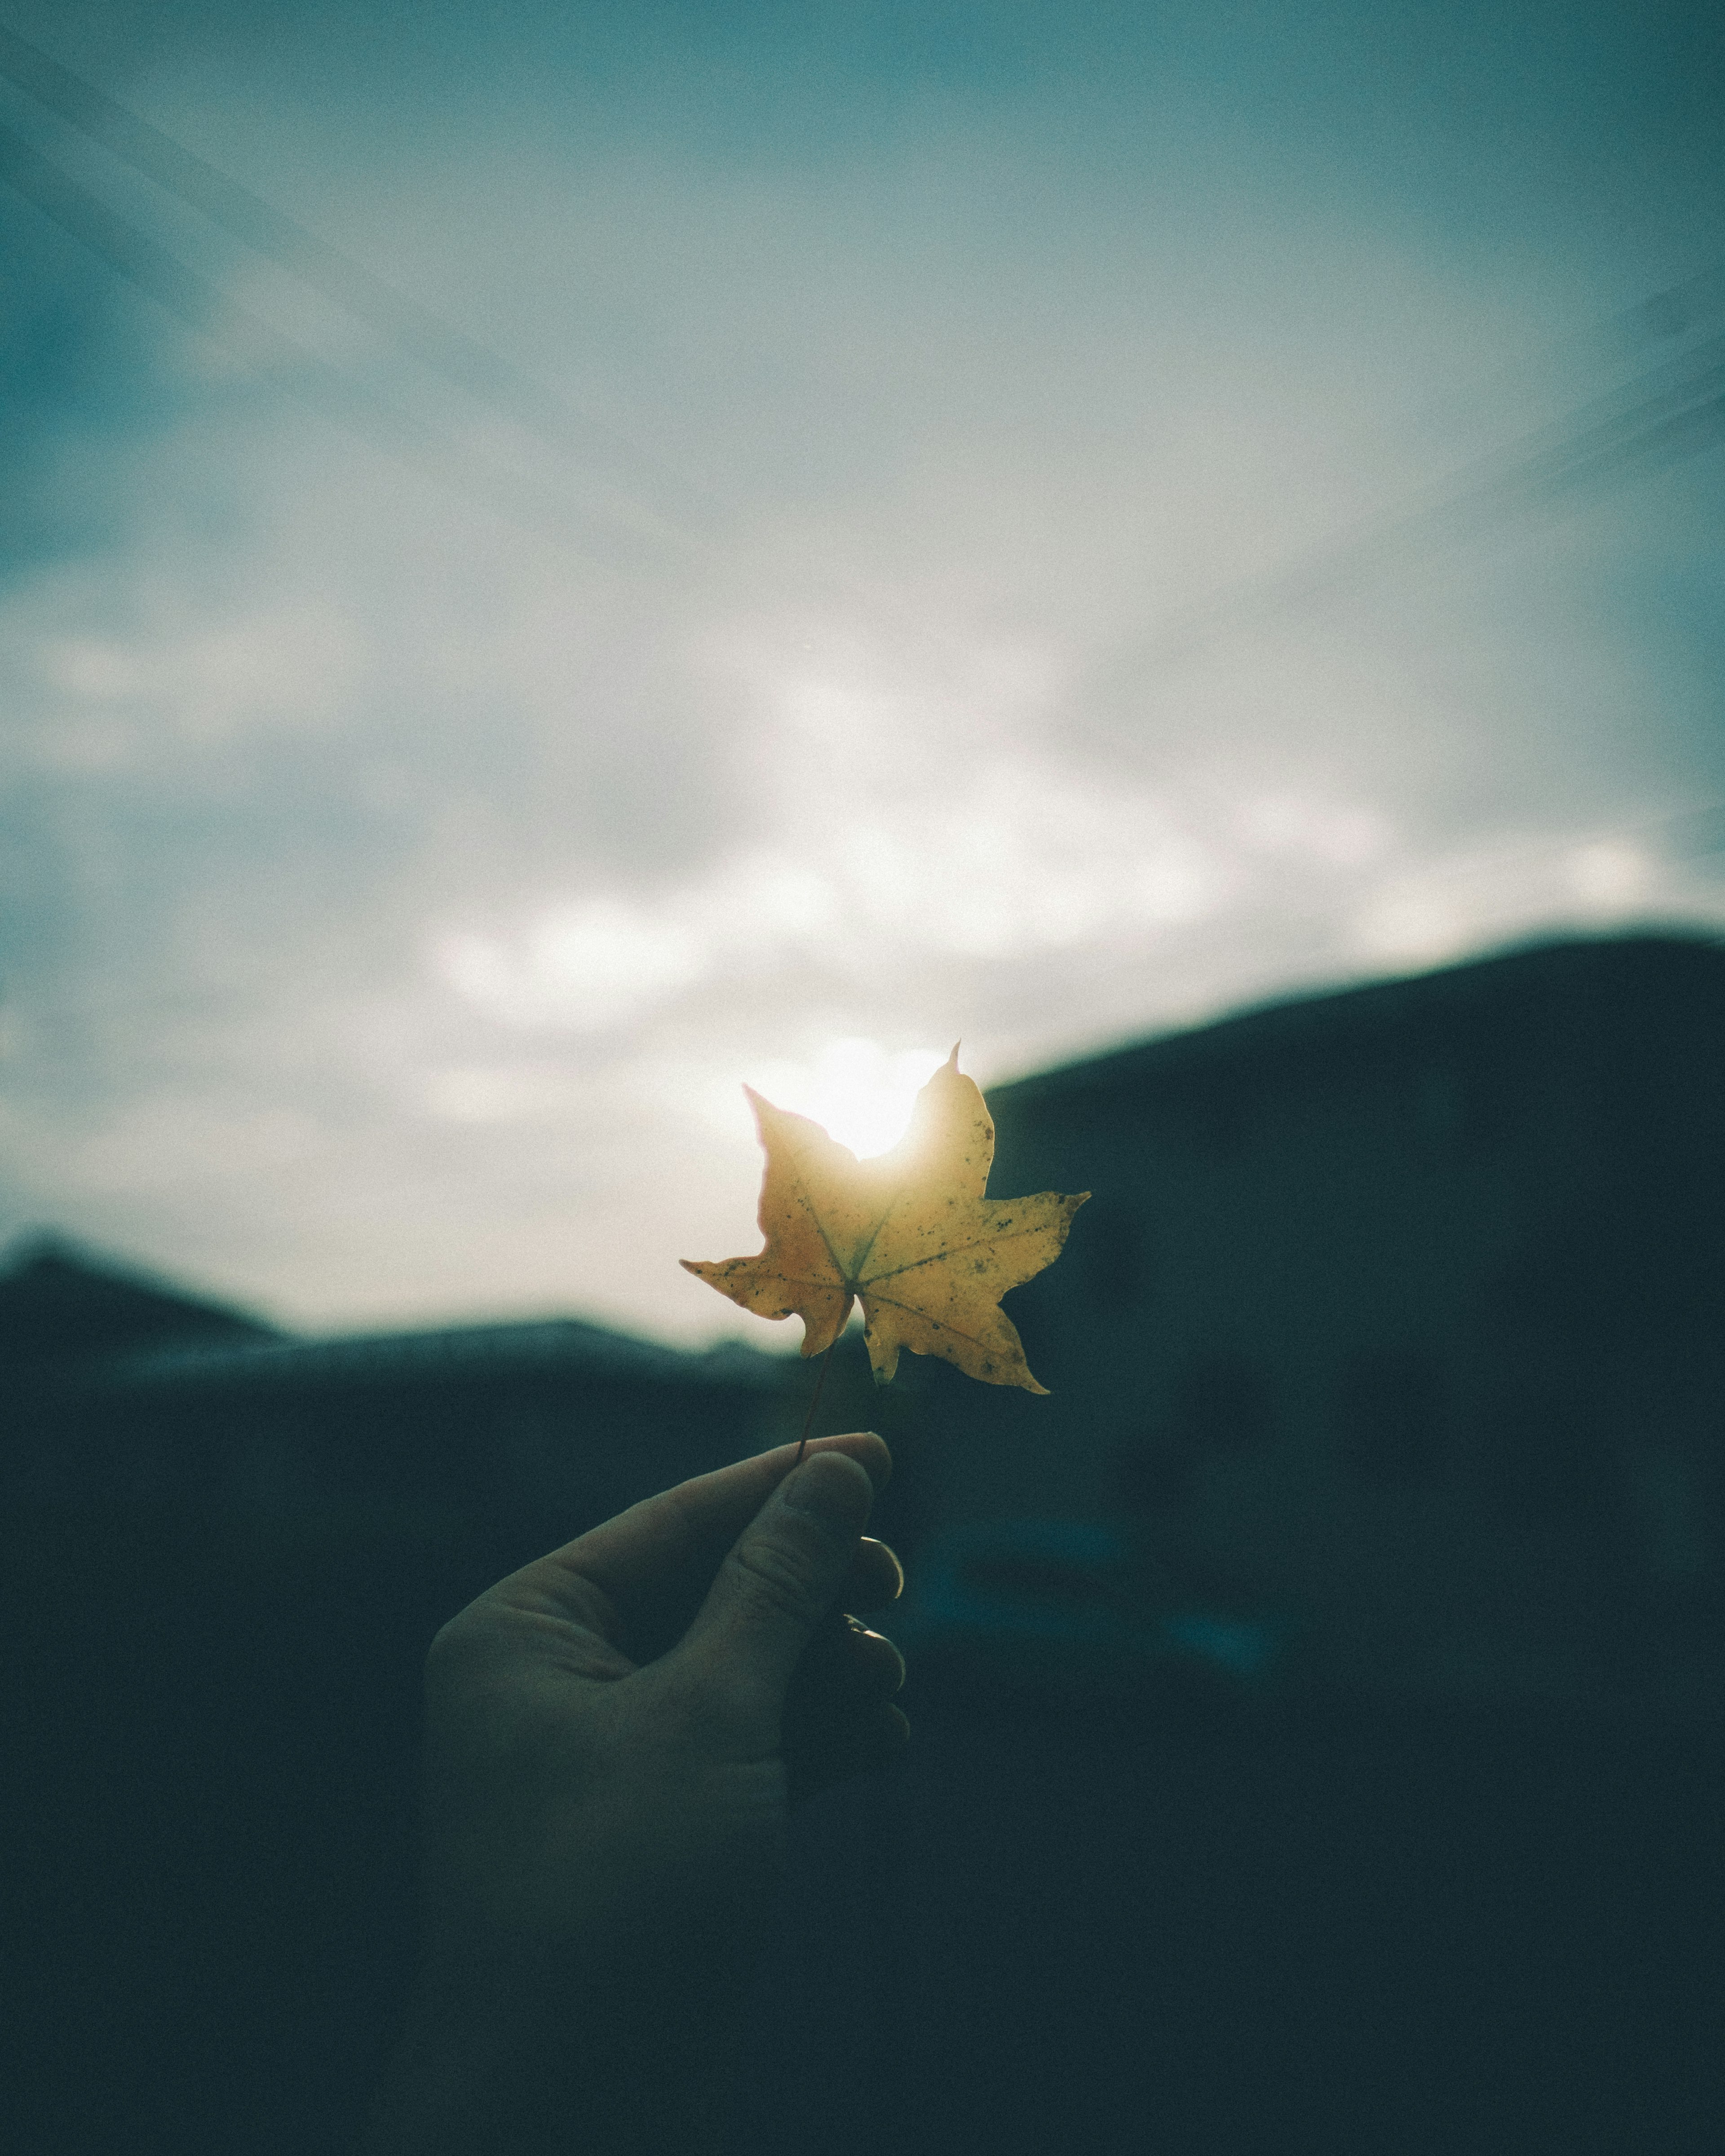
(615, 1735)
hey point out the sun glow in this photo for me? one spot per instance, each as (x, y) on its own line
(859, 1093)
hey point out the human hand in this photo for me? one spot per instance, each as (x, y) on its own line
(614, 1736)
(614, 1733)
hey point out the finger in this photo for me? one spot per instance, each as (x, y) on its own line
(845, 1662)
(870, 1660)
(782, 1575)
(862, 1745)
(657, 1548)
(839, 1686)
(875, 1578)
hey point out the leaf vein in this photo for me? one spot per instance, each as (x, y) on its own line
(957, 1250)
(940, 1323)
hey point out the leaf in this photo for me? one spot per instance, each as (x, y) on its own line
(909, 1235)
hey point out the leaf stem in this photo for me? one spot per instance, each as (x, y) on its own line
(814, 1403)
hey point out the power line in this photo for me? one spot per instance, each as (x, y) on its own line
(1664, 318)
(1674, 411)
(204, 307)
(458, 358)
(200, 302)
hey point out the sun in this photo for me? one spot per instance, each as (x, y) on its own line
(859, 1093)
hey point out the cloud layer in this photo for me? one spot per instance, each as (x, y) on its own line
(406, 857)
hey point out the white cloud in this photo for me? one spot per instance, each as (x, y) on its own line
(168, 1142)
(1611, 877)
(1334, 835)
(207, 679)
(588, 966)
(399, 896)
(504, 1093)
(1440, 908)
(1023, 859)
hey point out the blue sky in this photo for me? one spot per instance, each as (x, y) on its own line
(1048, 533)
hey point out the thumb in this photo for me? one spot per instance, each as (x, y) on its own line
(784, 1571)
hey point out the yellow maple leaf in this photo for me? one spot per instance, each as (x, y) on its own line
(909, 1235)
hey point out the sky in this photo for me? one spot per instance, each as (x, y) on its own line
(691, 545)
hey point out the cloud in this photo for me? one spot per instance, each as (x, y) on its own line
(1441, 909)
(949, 861)
(590, 965)
(399, 882)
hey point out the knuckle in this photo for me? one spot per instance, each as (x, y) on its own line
(464, 1655)
(774, 1576)
(450, 1651)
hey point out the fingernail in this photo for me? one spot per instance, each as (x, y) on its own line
(830, 1487)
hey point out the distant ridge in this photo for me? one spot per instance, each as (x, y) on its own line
(59, 1303)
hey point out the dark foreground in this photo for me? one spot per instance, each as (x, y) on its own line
(1133, 1928)
(1454, 1936)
